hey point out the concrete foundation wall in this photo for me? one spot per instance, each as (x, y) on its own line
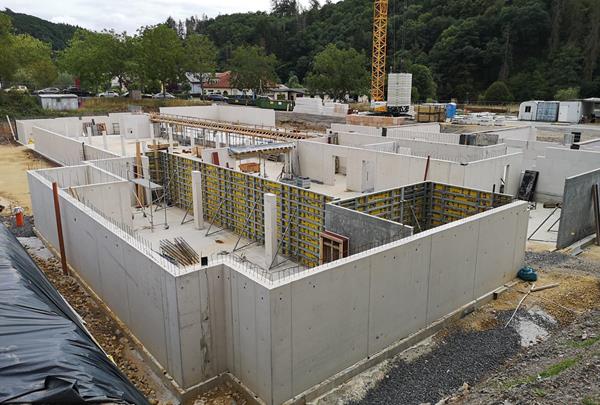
(60, 149)
(328, 320)
(364, 231)
(72, 127)
(233, 114)
(117, 206)
(557, 165)
(133, 284)
(372, 170)
(577, 219)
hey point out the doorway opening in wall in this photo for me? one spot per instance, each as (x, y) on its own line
(333, 247)
(504, 179)
(340, 165)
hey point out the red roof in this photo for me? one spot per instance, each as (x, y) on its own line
(220, 80)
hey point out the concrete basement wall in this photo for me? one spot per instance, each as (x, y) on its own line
(281, 338)
(72, 127)
(112, 199)
(132, 282)
(234, 114)
(58, 148)
(556, 166)
(338, 314)
(451, 152)
(364, 231)
(577, 217)
(392, 170)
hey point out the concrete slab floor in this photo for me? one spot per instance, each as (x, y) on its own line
(547, 232)
(218, 242)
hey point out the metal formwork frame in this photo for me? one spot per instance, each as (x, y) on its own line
(234, 200)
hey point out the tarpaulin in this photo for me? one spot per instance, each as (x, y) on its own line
(46, 354)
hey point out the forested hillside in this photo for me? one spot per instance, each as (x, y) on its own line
(495, 50)
(536, 47)
(57, 35)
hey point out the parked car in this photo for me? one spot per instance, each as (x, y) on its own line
(108, 94)
(163, 96)
(48, 90)
(17, 89)
(77, 91)
(217, 97)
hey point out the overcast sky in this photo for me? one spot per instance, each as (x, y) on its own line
(129, 15)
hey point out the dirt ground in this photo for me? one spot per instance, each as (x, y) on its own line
(15, 160)
(104, 328)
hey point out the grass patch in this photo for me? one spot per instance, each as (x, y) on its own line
(558, 368)
(551, 371)
(580, 344)
(589, 401)
(518, 381)
(538, 392)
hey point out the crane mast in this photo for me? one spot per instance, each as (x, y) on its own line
(380, 22)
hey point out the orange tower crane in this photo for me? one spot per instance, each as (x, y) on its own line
(378, 67)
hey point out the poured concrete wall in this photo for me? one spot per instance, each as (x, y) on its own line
(363, 231)
(340, 314)
(72, 127)
(116, 207)
(577, 219)
(390, 170)
(60, 149)
(281, 338)
(233, 114)
(557, 165)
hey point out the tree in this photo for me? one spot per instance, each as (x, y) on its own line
(34, 63)
(200, 54)
(251, 68)
(97, 57)
(293, 81)
(422, 80)
(160, 55)
(8, 65)
(338, 73)
(498, 92)
(570, 93)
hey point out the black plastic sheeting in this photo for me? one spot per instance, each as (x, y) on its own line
(46, 355)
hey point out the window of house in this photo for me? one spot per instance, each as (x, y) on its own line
(528, 108)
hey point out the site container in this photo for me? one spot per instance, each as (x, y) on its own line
(547, 111)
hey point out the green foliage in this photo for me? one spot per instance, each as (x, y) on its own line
(570, 93)
(251, 68)
(160, 56)
(559, 367)
(57, 35)
(64, 80)
(200, 54)
(339, 72)
(25, 60)
(422, 80)
(293, 81)
(96, 57)
(497, 92)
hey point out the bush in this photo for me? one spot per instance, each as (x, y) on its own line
(570, 93)
(498, 92)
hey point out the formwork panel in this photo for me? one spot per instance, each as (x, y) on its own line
(234, 200)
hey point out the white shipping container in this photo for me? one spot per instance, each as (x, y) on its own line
(570, 111)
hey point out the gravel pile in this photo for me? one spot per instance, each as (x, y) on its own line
(546, 259)
(463, 357)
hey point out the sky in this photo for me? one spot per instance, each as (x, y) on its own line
(129, 15)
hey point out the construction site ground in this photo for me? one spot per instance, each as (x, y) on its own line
(549, 353)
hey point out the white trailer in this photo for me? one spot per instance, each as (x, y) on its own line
(570, 111)
(528, 110)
